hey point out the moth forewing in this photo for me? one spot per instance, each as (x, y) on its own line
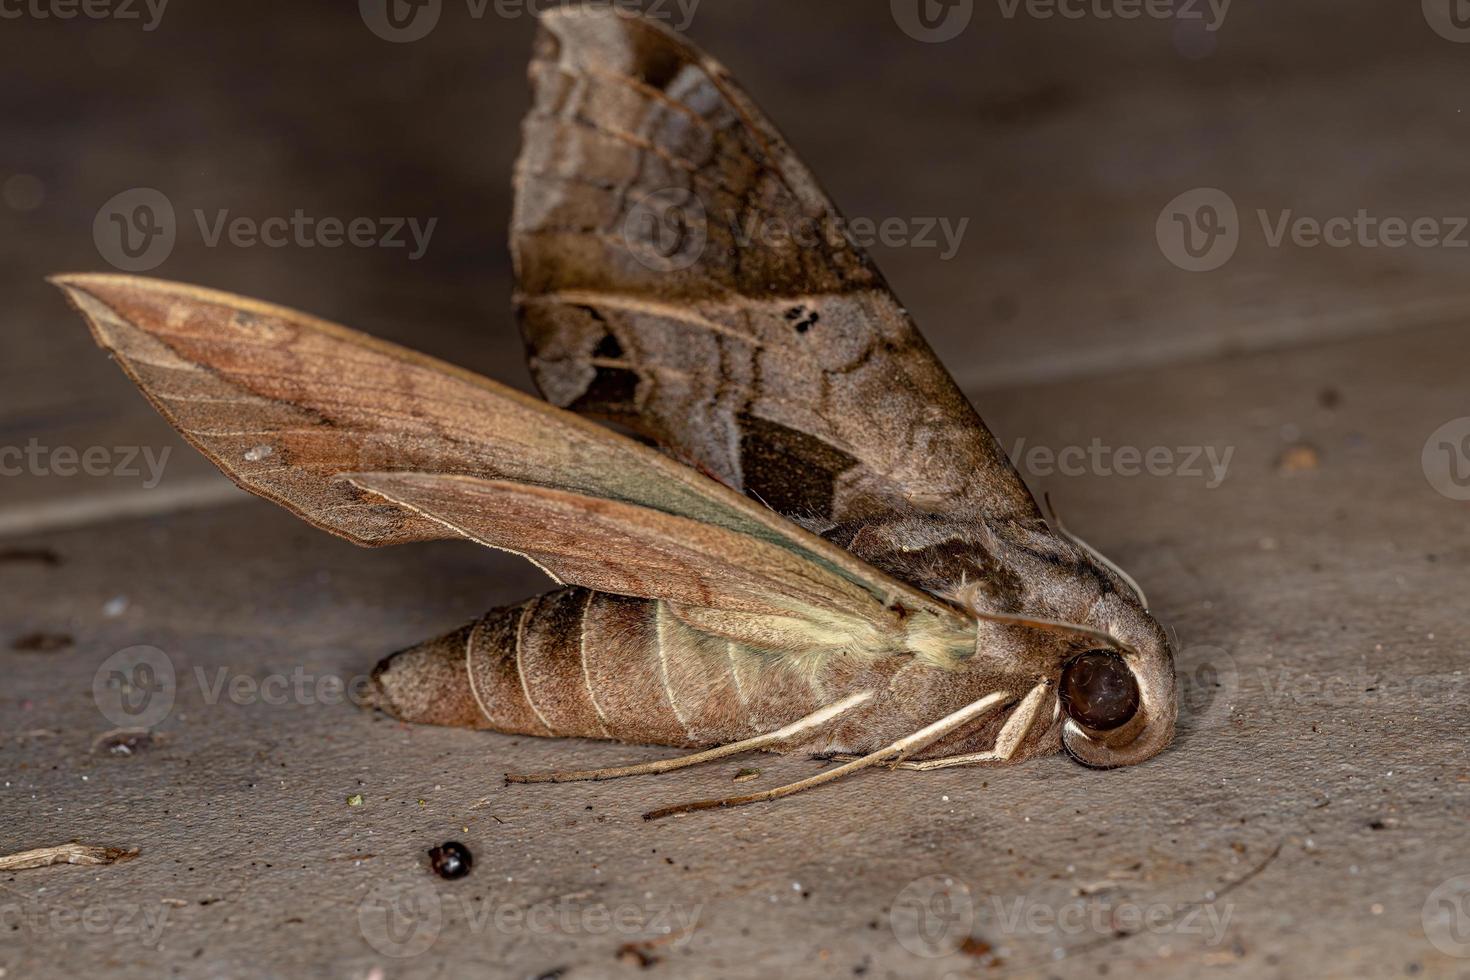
(768, 595)
(261, 390)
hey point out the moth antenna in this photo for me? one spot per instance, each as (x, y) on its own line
(1057, 626)
(895, 752)
(1097, 556)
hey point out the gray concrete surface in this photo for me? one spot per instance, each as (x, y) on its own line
(1310, 820)
(1313, 802)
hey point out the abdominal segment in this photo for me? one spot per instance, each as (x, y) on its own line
(577, 663)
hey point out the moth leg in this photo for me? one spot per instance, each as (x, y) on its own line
(813, 720)
(905, 746)
(1020, 724)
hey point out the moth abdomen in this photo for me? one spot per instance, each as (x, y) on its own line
(585, 664)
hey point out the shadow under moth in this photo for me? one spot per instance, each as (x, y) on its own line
(810, 542)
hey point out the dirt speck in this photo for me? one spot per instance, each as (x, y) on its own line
(980, 950)
(1298, 458)
(42, 642)
(636, 954)
(124, 742)
(29, 556)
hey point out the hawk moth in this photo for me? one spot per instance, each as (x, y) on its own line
(797, 535)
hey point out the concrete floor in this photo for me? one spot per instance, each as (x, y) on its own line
(1310, 820)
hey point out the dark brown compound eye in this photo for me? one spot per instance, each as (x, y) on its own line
(1098, 690)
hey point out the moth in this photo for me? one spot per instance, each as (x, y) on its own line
(796, 534)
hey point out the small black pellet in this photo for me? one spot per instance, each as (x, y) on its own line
(451, 860)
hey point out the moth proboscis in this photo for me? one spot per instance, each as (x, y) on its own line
(827, 552)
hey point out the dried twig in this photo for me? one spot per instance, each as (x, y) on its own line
(42, 857)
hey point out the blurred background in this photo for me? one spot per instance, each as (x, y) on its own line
(1043, 161)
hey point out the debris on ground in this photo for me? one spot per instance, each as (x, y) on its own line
(42, 857)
